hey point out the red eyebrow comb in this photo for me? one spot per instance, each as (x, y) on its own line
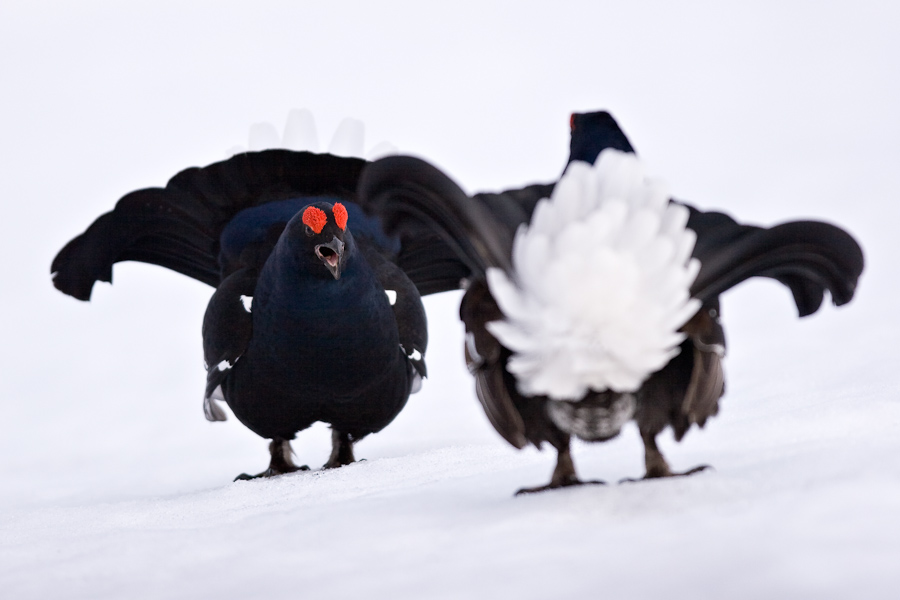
(340, 215)
(314, 218)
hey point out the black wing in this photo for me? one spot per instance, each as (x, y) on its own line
(412, 324)
(486, 359)
(227, 322)
(227, 329)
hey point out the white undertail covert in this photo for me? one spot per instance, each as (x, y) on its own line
(601, 282)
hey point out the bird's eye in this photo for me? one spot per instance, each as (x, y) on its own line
(309, 231)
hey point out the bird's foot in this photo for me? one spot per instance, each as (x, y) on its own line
(270, 472)
(554, 485)
(564, 474)
(341, 451)
(660, 473)
(336, 464)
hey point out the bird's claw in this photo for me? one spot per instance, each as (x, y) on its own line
(270, 472)
(557, 485)
(697, 469)
(661, 475)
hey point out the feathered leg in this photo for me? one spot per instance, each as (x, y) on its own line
(280, 463)
(564, 474)
(341, 450)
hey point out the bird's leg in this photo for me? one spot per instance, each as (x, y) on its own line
(280, 463)
(341, 450)
(655, 463)
(564, 474)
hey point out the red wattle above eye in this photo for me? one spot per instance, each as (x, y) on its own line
(340, 215)
(314, 218)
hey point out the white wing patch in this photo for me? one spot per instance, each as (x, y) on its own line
(603, 274)
(392, 296)
(247, 301)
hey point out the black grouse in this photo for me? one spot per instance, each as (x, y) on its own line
(309, 322)
(600, 304)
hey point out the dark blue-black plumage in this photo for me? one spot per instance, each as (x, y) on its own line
(307, 323)
(330, 343)
(594, 132)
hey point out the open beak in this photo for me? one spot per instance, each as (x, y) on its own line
(331, 254)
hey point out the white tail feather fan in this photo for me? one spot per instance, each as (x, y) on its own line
(602, 280)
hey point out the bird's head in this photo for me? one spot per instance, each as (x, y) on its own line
(321, 229)
(594, 132)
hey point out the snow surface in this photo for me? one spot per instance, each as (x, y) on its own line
(115, 486)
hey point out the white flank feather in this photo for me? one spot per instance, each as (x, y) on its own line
(603, 274)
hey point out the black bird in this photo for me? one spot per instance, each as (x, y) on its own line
(557, 333)
(309, 322)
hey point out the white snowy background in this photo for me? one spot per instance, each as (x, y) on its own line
(112, 485)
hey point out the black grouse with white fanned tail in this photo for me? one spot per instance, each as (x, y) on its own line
(596, 301)
(309, 322)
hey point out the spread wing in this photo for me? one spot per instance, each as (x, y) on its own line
(486, 360)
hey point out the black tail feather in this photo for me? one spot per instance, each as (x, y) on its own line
(431, 264)
(144, 228)
(809, 257)
(408, 192)
(178, 227)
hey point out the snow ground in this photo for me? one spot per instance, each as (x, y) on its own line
(114, 486)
